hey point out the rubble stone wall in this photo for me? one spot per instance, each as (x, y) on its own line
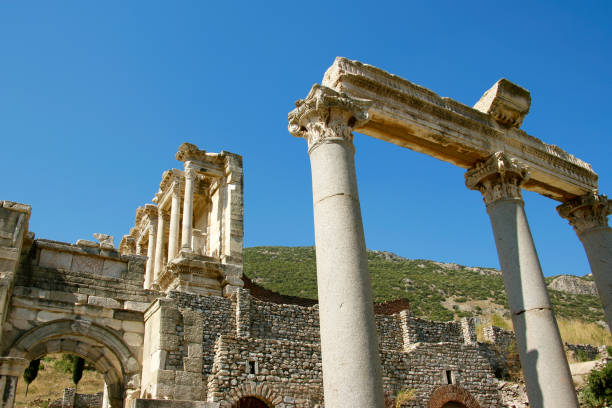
(425, 366)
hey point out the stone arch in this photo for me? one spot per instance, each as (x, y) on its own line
(102, 348)
(452, 396)
(260, 391)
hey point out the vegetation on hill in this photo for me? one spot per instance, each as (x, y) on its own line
(436, 291)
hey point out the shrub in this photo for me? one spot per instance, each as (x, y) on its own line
(598, 391)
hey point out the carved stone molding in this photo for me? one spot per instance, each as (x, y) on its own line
(586, 212)
(326, 114)
(188, 151)
(498, 177)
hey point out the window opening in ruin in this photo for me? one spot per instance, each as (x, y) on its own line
(449, 377)
(252, 368)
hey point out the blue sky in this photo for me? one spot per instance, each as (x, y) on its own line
(95, 98)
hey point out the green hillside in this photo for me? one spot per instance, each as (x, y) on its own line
(435, 290)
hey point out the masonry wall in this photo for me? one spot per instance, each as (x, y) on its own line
(424, 367)
(291, 371)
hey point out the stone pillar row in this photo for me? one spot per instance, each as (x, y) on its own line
(349, 343)
(547, 376)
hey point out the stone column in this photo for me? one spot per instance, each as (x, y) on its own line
(150, 254)
(547, 376)
(159, 245)
(11, 369)
(589, 217)
(175, 216)
(188, 208)
(349, 343)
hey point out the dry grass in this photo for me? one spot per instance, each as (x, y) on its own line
(50, 383)
(579, 332)
(572, 331)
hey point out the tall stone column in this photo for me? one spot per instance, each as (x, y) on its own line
(175, 216)
(159, 245)
(589, 217)
(188, 208)
(150, 254)
(349, 343)
(547, 376)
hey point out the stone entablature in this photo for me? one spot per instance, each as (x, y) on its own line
(409, 115)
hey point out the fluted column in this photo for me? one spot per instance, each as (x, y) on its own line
(150, 254)
(175, 216)
(547, 376)
(589, 217)
(349, 343)
(188, 208)
(159, 245)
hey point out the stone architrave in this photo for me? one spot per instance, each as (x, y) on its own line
(588, 215)
(547, 376)
(349, 343)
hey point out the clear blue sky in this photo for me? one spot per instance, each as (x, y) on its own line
(95, 98)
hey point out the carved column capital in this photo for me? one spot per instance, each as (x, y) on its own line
(327, 115)
(190, 173)
(585, 212)
(498, 177)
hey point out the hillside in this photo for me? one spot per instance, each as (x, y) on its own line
(436, 291)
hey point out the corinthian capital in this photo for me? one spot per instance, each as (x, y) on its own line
(326, 114)
(190, 173)
(498, 177)
(586, 212)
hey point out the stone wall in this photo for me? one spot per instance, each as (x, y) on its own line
(72, 400)
(425, 331)
(284, 322)
(390, 335)
(290, 371)
(425, 366)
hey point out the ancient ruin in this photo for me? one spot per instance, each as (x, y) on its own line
(166, 317)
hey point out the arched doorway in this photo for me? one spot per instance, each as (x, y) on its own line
(251, 402)
(452, 396)
(107, 352)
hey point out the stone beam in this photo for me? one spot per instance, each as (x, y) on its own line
(411, 116)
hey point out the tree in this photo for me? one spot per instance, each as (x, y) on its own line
(77, 371)
(30, 373)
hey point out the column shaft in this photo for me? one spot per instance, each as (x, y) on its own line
(188, 209)
(150, 256)
(159, 246)
(349, 342)
(175, 214)
(588, 215)
(547, 376)
(598, 247)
